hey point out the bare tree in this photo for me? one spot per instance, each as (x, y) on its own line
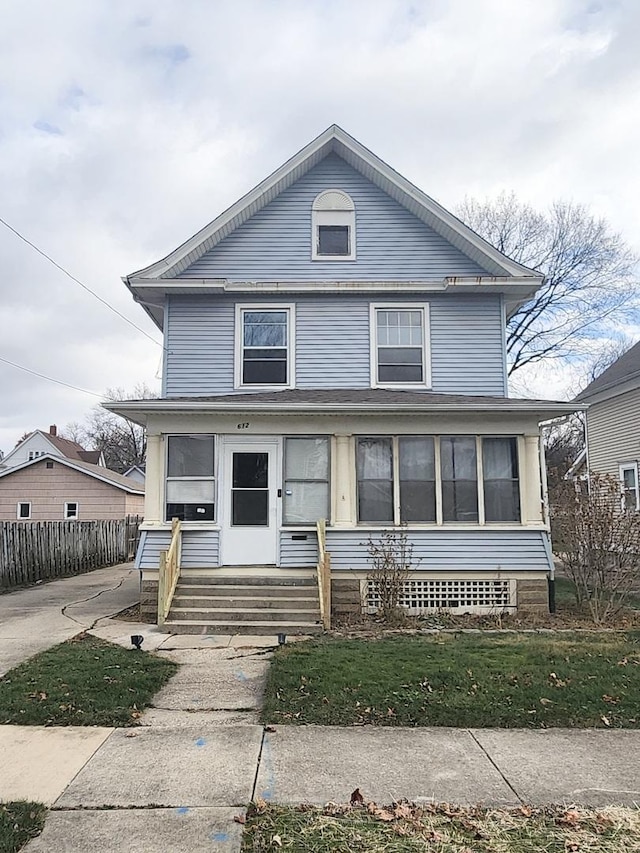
(122, 442)
(598, 541)
(564, 438)
(589, 274)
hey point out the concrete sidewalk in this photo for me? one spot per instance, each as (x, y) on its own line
(177, 781)
(34, 619)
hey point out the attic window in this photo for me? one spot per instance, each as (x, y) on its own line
(333, 225)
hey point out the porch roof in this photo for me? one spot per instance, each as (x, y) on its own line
(340, 401)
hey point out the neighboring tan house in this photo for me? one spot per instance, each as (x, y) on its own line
(55, 488)
(39, 443)
(613, 423)
(335, 348)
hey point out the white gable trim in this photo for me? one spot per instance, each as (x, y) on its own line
(334, 139)
(63, 460)
(25, 443)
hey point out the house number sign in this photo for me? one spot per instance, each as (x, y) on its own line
(242, 426)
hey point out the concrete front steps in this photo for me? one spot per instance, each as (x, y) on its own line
(212, 603)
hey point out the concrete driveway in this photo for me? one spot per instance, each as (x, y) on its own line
(36, 618)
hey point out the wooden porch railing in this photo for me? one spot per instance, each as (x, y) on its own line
(324, 575)
(169, 572)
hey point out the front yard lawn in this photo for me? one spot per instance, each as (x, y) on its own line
(440, 829)
(19, 822)
(82, 682)
(475, 680)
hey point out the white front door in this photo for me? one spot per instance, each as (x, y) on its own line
(250, 487)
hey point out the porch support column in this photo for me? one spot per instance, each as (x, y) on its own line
(153, 513)
(344, 487)
(532, 509)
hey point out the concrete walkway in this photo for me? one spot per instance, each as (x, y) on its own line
(178, 781)
(33, 619)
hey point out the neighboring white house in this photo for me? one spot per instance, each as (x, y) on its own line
(39, 443)
(335, 348)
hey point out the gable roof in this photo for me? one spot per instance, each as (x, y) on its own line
(71, 449)
(624, 371)
(96, 471)
(334, 140)
(68, 448)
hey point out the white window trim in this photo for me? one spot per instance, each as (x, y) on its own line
(290, 308)
(629, 466)
(23, 517)
(374, 307)
(200, 525)
(339, 216)
(68, 517)
(35, 454)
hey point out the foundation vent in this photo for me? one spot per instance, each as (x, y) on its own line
(455, 596)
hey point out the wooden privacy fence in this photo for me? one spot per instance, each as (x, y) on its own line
(31, 551)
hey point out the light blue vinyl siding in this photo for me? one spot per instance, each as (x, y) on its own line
(391, 243)
(200, 548)
(451, 550)
(298, 553)
(332, 342)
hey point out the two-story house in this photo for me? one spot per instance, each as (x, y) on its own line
(335, 348)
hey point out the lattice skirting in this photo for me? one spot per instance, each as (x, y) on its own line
(491, 595)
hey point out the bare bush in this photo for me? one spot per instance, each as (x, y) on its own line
(598, 541)
(391, 557)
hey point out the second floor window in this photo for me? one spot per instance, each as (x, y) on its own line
(265, 351)
(399, 345)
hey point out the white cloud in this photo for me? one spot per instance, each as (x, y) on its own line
(127, 126)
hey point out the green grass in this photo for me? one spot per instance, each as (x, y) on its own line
(82, 682)
(440, 829)
(495, 680)
(19, 821)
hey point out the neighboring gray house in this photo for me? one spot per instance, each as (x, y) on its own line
(613, 423)
(335, 348)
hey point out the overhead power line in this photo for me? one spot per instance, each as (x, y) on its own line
(50, 378)
(77, 281)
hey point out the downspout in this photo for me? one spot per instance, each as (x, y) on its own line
(546, 517)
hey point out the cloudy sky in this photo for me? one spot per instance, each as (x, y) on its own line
(126, 126)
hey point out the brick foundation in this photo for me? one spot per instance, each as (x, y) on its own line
(149, 601)
(346, 599)
(533, 595)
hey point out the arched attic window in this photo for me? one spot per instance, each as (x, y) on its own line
(333, 227)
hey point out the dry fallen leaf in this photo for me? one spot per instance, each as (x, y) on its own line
(277, 840)
(356, 797)
(605, 720)
(240, 818)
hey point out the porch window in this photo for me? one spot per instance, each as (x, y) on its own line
(399, 345)
(500, 479)
(417, 468)
(375, 479)
(459, 478)
(306, 480)
(629, 481)
(265, 352)
(190, 486)
(430, 479)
